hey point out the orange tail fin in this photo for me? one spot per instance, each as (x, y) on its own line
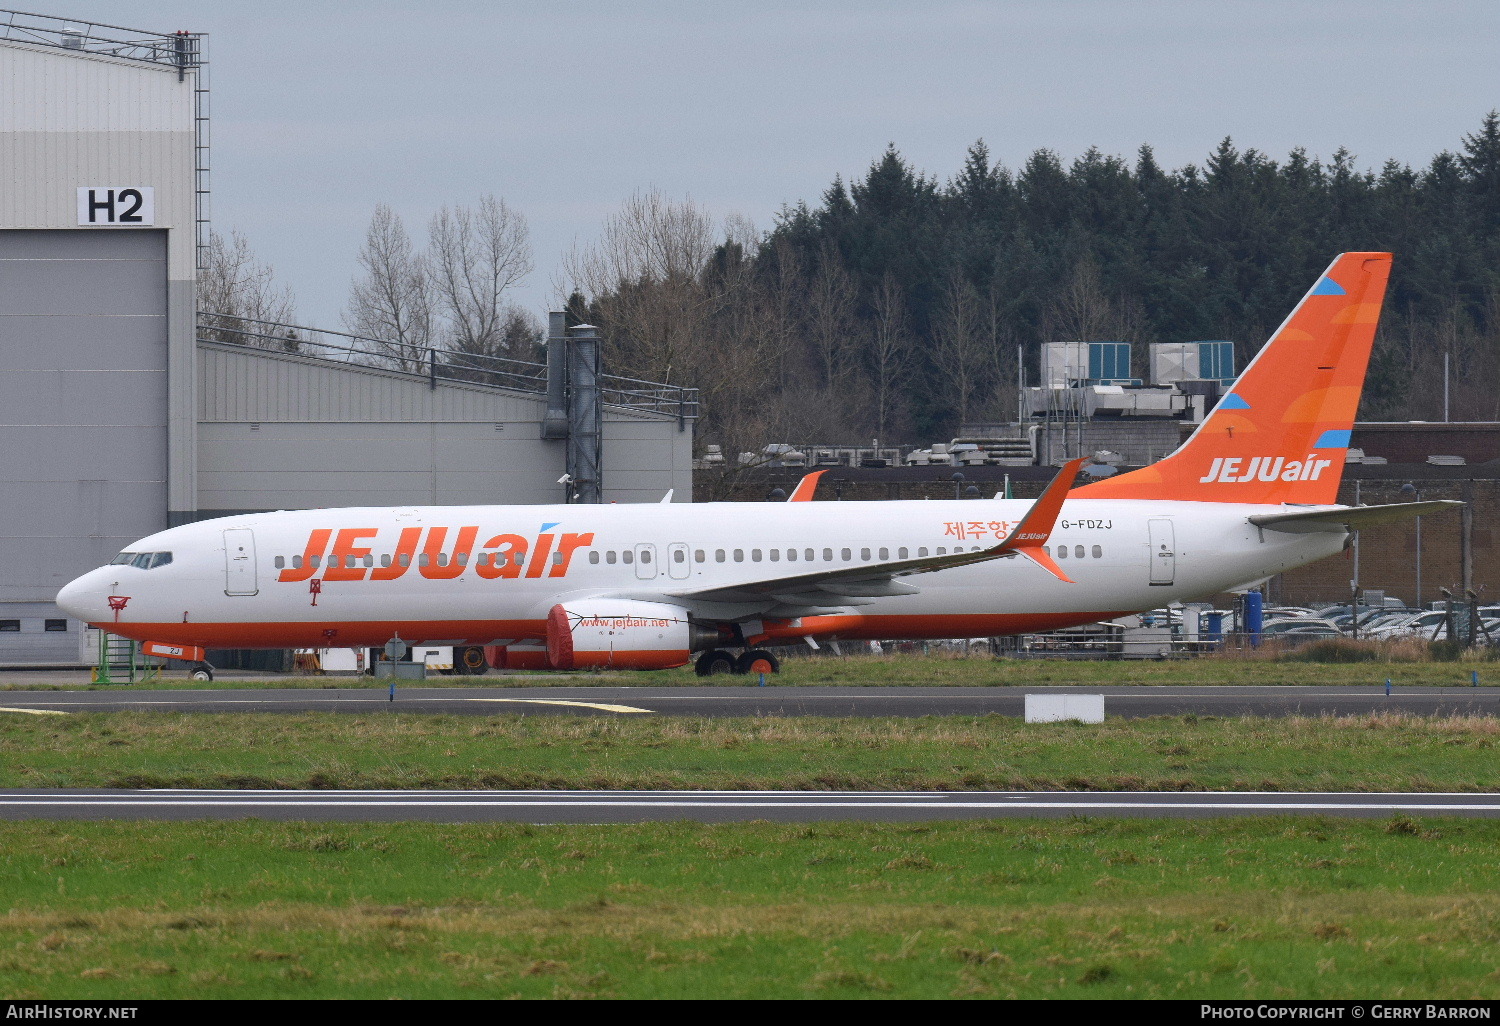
(1281, 435)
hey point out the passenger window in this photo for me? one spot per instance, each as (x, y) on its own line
(609, 557)
(791, 555)
(280, 562)
(557, 559)
(942, 550)
(483, 559)
(828, 555)
(442, 559)
(1077, 551)
(809, 555)
(424, 560)
(593, 557)
(406, 559)
(718, 555)
(755, 555)
(775, 555)
(463, 559)
(901, 552)
(885, 553)
(645, 555)
(864, 553)
(370, 561)
(296, 562)
(316, 562)
(739, 555)
(385, 559)
(1062, 552)
(626, 556)
(1098, 552)
(922, 552)
(699, 556)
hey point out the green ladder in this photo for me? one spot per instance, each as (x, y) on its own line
(122, 662)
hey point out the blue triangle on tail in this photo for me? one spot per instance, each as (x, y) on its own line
(548, 527)
(1328, 287)
(1233, 402)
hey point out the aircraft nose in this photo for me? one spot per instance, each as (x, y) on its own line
(85, 598)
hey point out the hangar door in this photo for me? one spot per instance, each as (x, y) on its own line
(83, 383)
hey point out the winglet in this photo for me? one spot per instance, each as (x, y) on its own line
(805, 488)
(1029, 539)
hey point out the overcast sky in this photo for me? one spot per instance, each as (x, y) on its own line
(323, 109)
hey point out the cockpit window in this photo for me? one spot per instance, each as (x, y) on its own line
(143, 560)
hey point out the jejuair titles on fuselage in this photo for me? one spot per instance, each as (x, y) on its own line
(428, 552)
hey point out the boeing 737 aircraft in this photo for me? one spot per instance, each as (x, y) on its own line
(1252, 493)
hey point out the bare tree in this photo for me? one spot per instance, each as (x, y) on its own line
(831, 316)
(474, 256)
(391, 304)
(1000, 343)
(234, 284)
(646, 279)
(1083, 312)
(890, 342)
(960, 347)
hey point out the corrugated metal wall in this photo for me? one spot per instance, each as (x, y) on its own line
(278, 431)
(83, 401)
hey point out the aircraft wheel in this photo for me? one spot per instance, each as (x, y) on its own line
(203, 672)
(714, 663)
(472, 663)
(757, 660)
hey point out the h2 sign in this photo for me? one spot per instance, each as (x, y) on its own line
(132, 205)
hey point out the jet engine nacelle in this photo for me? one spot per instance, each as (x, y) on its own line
(618, 634)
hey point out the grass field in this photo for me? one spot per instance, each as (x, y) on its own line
(1258, 908)
(945, 671)
(332, 750)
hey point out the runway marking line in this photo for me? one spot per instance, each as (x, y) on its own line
(557, 701)
(1093, 806)
(34, 712)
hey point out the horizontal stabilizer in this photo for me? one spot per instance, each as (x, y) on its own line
(1350, 518)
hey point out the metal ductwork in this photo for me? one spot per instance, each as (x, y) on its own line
(575, 411)
(555, 421)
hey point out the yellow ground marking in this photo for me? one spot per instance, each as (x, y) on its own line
(556, 701)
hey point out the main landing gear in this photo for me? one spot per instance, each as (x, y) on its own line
(716, 661)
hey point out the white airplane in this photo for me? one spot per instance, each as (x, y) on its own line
(1252, 493)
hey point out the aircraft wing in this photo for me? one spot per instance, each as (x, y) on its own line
(1350, 518)
(857, 585)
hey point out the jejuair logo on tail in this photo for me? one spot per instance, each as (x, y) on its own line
(1226, 470)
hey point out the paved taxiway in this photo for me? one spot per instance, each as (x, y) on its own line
(711, 806)
(1311, 700)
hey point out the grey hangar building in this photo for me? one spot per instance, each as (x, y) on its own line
(126, 409)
